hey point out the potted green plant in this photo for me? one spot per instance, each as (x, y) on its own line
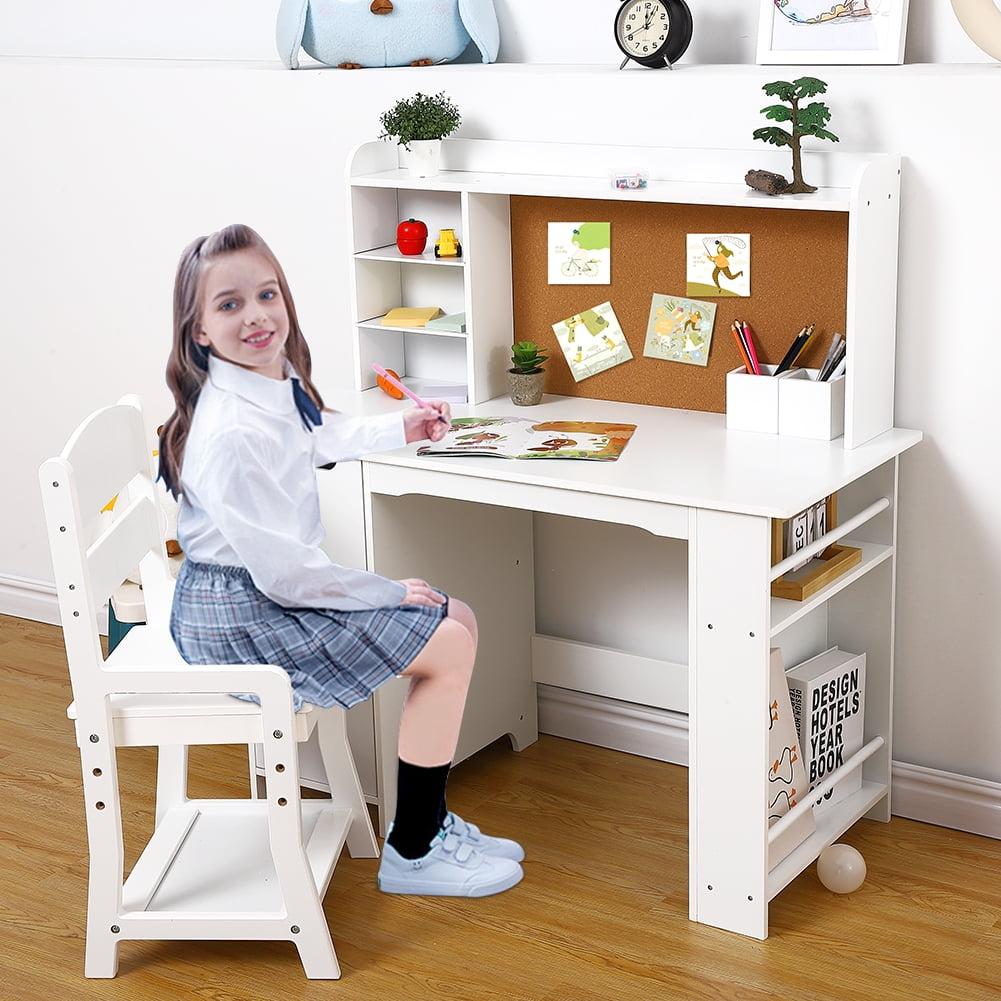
(526, 379)
(419, 124)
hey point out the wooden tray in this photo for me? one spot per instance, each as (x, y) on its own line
(830, 564)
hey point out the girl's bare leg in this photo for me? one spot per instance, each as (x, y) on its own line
(440, 676)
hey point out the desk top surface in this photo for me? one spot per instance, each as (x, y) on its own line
(683, 457)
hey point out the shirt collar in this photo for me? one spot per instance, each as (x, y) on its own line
(270, 394)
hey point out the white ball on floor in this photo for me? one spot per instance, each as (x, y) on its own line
(841, 868)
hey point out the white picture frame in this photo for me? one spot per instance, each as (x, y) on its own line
(873, 39)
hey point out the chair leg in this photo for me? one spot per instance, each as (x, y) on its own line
(101, 951)
(316, 950)
(171, 778)
(342, 777)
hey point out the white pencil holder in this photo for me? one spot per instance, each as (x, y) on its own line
(811, 409)
(752, 401)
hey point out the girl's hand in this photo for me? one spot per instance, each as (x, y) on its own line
(420, 592)
(422, 423)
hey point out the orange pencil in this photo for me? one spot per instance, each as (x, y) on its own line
(740, 347)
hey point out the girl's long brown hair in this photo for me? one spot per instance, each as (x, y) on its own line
(188, 364)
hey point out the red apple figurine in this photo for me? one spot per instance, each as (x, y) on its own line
(411, 237)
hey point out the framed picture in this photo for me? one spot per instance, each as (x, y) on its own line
(793, 32)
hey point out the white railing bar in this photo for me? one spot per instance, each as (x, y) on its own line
(807, 801)
(808, 552)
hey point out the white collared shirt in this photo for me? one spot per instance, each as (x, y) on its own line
(249, 494)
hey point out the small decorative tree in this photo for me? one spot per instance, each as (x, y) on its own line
(806, 121)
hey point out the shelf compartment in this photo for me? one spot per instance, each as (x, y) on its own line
(785, 612)
(375, 323)
(392, 253)
(830, 826)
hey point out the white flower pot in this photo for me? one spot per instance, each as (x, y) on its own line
(424, 157)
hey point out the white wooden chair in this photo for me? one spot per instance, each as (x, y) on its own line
(253, 869)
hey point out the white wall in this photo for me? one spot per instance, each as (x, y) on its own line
(113, 166)
(532, 31)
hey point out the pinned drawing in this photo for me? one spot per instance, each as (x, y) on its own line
(592, 341)
(680, 329)
(580, 253)
(719, 264)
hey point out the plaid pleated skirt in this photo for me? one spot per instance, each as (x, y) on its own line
(332, 657)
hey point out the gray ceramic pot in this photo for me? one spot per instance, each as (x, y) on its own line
(526, 389)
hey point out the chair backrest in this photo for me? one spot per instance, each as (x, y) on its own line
(106, 455)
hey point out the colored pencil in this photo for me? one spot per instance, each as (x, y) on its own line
(749, 338)
(743, 351)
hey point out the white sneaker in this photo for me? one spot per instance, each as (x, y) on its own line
(471, 835)
(452, 868)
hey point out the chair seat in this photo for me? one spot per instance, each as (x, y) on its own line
(143, 720)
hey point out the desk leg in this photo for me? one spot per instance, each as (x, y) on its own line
(483, 555)
(729, 616)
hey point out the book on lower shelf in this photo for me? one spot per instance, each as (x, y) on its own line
(827, 693)
(454, 322)
(786, 775)
(524, 438)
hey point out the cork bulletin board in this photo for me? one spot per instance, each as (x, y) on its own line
(799, 266)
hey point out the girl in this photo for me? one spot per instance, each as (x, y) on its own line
(241, 449)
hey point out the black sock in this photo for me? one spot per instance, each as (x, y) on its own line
(420, 801)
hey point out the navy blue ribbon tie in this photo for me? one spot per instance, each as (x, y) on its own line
(308, 410)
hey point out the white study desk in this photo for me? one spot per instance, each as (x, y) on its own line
(465, 524)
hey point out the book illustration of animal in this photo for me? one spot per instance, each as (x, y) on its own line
(553, 444)
(478, 438)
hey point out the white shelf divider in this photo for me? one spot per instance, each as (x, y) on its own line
(785, 612)
(392, 253)
(375, 323)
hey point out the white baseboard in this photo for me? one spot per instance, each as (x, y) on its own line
(946, 799)
(926, 794)
(26, 598)
(918, 793)
(623, 726)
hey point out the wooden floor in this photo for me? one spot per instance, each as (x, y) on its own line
(602, 912)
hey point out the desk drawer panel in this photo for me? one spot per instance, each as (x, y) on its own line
(667, 520)
(614, 674)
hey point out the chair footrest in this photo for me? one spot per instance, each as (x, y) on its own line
(210, 857)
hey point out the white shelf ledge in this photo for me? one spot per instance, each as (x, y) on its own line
(785, 611)
(375, 322)
(831, 824)
(392, 253)
(374, 401)
(681, 192)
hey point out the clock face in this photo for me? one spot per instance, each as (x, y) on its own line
(643, 27)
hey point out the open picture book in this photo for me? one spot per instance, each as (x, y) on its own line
(522, 438)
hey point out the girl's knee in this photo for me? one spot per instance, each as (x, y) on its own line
(448, 656)
(463, 614)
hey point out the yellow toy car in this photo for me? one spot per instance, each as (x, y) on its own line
(447, 244)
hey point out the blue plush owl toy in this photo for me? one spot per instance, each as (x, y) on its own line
(351, 34)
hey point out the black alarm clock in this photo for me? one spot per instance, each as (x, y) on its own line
(654, 33)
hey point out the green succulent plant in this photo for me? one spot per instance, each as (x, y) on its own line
(527, 358)
(423, 116)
